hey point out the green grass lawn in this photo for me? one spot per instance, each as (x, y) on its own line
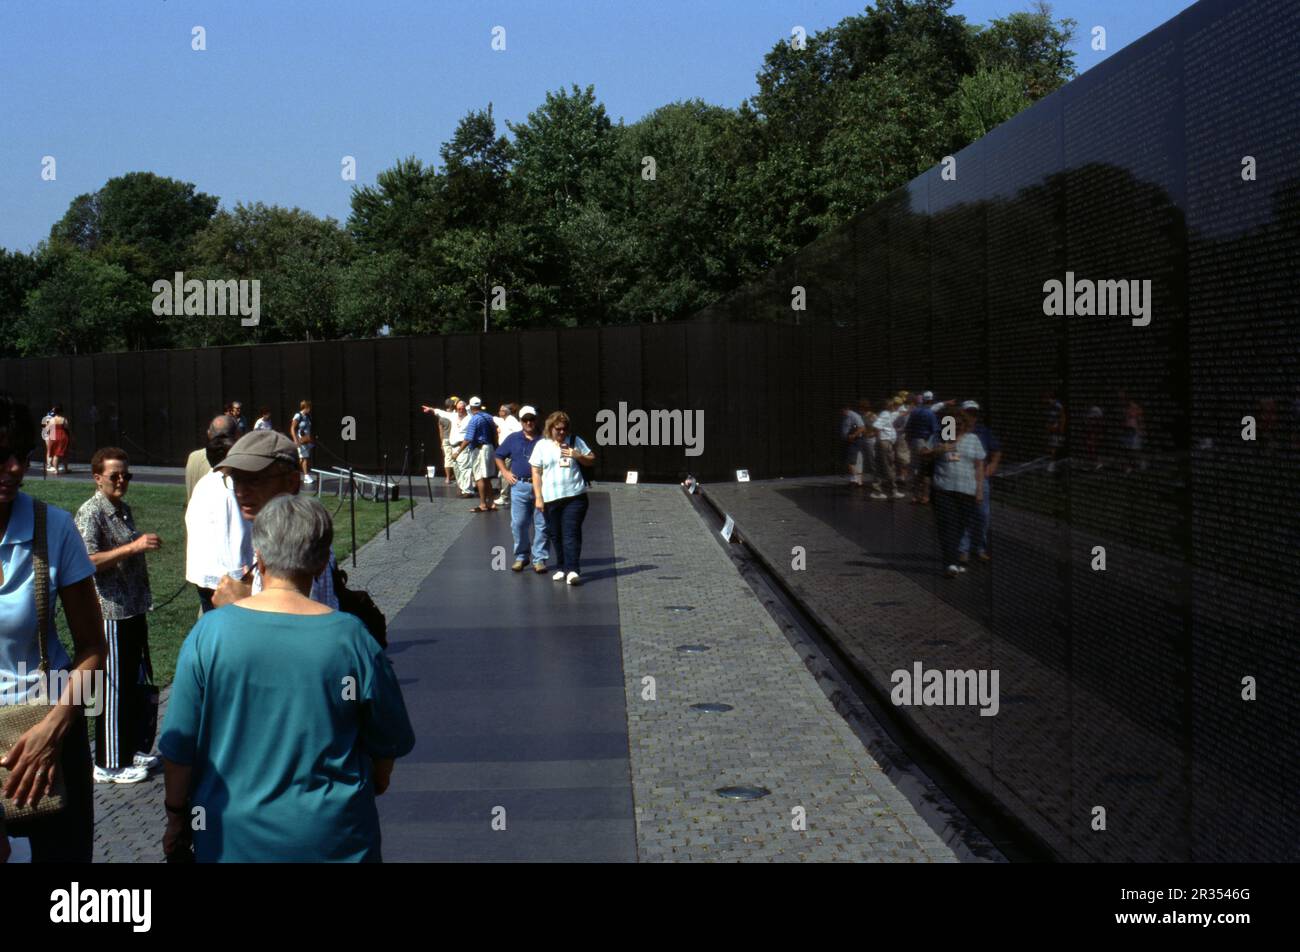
(160, 509)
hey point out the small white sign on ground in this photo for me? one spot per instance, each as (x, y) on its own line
(631, 477)
(728, 528)
(742, 475)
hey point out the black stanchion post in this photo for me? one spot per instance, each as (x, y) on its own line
(428, 485)
(406, 465)
(352, 507)
(386, 495)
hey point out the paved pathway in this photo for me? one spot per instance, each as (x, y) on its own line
(543, 709)
(515, 685)
(677, 586)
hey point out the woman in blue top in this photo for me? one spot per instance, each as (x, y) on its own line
(560, 491)
(285, 716)
(59, 740)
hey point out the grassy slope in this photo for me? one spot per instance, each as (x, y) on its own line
(160, 509)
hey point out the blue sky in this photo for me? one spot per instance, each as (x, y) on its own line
(286, 88)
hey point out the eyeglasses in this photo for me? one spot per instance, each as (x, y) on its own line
(116, 477)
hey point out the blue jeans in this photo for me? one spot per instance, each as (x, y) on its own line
(564, 530)
(979, 528)
(522, 517)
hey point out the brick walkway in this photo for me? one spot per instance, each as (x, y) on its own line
(676, 586)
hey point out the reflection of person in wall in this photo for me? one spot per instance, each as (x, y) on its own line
(958, 488)
(977, 535)
(851, 430)
(1056, 424)
(1093, 425)
(1132, 436)
(920, 430)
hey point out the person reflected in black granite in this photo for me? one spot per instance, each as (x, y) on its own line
(1133, 434)
(1093, 432)
(958, 488)
(851, 429)
(1056, 422)
(976, 535)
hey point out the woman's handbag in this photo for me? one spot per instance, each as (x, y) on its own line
(18, 719)
(359, 603)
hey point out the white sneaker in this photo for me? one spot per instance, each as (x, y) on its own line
(307, 480)
(952, 571)
(877, 494)
(147, 761)
(130, 774)
(898, 495)
(558, 576)
(573, 579)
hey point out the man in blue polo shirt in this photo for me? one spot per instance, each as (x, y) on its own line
(478, 442)
(921, 425)
(518, 448)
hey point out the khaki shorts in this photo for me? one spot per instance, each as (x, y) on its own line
(480, 459)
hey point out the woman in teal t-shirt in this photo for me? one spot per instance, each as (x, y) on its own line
(285, 716)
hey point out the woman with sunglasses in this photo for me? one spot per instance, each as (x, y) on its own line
(117, 551)
(560, 492)
(56, 748)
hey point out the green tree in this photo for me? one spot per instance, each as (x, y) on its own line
(476, 164)
(296, 256)
(1030, 44)
(987, 98)
(155, 215)
(84, 306)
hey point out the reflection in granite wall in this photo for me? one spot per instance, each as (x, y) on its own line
(1122, 436)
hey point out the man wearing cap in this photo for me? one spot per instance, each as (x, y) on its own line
(921, 427)
(527, 523)
(476, 450)
(262, 465)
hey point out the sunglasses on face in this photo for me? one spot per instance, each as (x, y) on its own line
(117, 477)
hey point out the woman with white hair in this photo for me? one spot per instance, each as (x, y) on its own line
(285, 716)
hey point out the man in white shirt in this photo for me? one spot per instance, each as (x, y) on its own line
(507, 423)
(215, 532)
(459, 419)
(263, 464)
(886, 436)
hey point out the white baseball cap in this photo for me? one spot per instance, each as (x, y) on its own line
(527, 411)
(970, 405)
(475, 402)
(927, 396)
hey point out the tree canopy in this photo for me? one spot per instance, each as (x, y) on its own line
(567, 218)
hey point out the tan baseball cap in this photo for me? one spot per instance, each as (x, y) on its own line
(255, 451)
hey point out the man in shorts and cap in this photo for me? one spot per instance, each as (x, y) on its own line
(261, 465)
(475, 452)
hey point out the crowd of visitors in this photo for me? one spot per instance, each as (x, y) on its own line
(542, 479)
(270, 647)
(941, 452)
